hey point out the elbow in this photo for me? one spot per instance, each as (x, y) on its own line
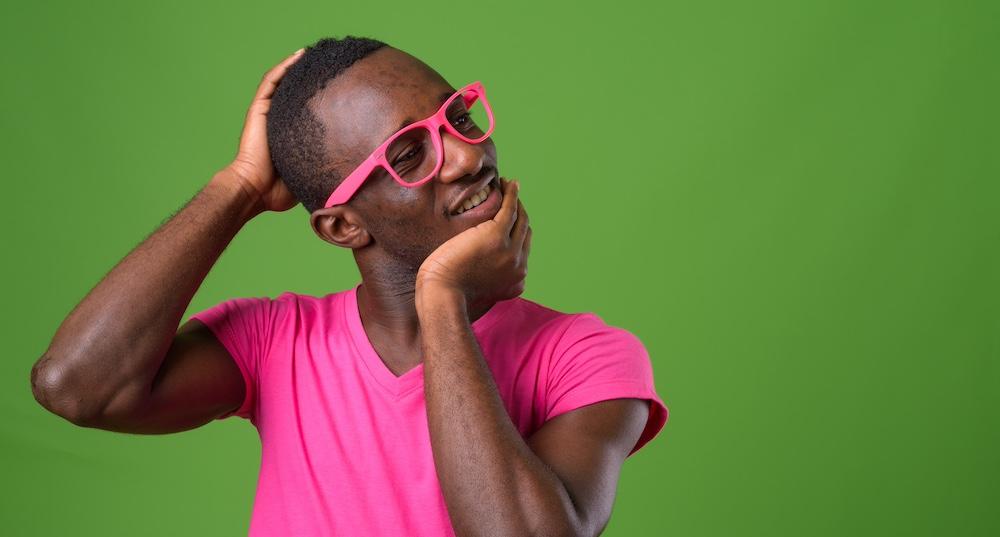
(52, 387)
(564, 532)
(562, 527)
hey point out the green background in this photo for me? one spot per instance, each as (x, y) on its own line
(793, 204)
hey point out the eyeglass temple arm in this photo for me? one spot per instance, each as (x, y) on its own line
(349, 186)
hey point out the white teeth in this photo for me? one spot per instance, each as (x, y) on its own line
(475, 200)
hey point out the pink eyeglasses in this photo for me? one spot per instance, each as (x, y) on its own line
(415, 153)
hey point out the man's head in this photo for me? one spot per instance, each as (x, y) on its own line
(336, 104)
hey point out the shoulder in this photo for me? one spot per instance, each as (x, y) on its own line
(273, 311)
(564, 327)
(307, 304)
(588, 360)
(582, 344)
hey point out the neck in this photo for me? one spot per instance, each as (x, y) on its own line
(386, 302)
(387, 306)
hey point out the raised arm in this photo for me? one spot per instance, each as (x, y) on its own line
(118, 360)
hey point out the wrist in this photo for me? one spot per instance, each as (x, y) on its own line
(431, 296)
(231, 184)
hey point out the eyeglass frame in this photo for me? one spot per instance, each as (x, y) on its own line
(349, 186)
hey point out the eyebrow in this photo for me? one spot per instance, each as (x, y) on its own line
(441, 99)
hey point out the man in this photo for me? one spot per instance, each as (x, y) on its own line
(430, 399)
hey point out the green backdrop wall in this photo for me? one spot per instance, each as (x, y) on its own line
(793, 204)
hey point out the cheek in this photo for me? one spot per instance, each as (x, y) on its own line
(412, 239)
(394, 202)
(407, 217)
(410, 199)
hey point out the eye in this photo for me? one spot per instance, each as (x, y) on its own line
(463, 120)
(409, 154)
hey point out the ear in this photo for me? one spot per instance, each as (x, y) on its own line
(340, 225)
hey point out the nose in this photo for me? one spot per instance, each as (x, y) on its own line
(461, 159)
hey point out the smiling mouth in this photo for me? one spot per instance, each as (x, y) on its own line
(478, 198)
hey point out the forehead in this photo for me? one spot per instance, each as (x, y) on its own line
(366, 103)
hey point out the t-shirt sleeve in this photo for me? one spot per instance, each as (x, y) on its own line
(593, 361)
(243, 326)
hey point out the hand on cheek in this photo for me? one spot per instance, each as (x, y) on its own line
(483, 264)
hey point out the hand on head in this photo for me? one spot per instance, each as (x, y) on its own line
(252, 168)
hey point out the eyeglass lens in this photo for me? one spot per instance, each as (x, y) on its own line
(412, 155)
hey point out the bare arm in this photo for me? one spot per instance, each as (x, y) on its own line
(561, 482)
(493, 484)
(103, 358)
(118, 360)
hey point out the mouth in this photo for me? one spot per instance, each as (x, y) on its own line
(476, 201)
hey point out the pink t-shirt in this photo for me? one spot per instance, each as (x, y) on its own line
(345, 448)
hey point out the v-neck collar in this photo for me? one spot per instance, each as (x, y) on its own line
(384, 377)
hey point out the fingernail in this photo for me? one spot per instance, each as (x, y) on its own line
(298, 51)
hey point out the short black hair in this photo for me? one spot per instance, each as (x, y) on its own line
(294, 134)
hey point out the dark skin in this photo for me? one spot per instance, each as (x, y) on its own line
(116, 362)
(425, 280)
(392, 229)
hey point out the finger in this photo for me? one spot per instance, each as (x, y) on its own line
(517, 289)
(526, 247)
(262, 98)
(273, 76)
(520, 227)
(508, 207)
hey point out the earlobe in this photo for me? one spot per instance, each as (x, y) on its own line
(340, 226)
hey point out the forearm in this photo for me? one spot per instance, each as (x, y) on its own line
(105, 354)
(492, 482)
